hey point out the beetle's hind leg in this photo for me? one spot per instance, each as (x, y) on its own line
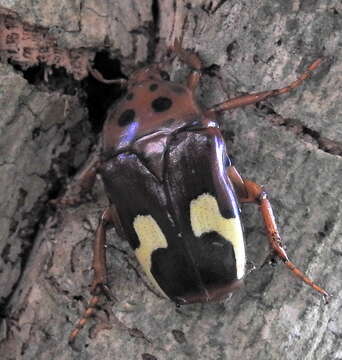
(99, 283)
(192, 60)
(250, 192)
(256, 97)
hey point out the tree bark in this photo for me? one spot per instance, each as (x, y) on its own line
(291, 144)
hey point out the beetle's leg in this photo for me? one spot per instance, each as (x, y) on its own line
(83, 184)
(256, 97)
(192, 60)
(99, 283)
(250, 192)
(99, 259)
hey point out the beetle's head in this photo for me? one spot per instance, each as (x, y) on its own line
(152, 72)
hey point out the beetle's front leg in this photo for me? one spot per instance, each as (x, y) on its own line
(254, 98)
(99, 283)
(250, 192)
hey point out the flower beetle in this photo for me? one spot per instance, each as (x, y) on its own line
(173, 192)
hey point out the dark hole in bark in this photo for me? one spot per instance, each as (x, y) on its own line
(155, 13)
(33, 74)
(49, 78)
(230, 50)
(96, 95)
(100, 96)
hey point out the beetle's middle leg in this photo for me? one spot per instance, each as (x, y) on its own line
(99, 283)
(250, 192)
(256, 97)
(192, 60)
(83, 184)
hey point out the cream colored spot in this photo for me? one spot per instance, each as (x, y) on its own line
(206, 217)
(151, 238)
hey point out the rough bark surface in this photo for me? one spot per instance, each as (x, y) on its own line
(291, 144)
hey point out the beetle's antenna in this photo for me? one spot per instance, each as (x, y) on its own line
(99, 77)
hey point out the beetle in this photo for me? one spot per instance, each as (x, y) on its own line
(173, 191)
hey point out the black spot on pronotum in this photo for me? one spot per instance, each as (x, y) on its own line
(126, 117)
(161, 104)
(129, 96)
(153, 87)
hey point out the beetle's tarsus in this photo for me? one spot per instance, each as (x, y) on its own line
(98, 286)
(89, 312)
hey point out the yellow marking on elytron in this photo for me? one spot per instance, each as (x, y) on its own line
(151, 238)
(205, 217)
